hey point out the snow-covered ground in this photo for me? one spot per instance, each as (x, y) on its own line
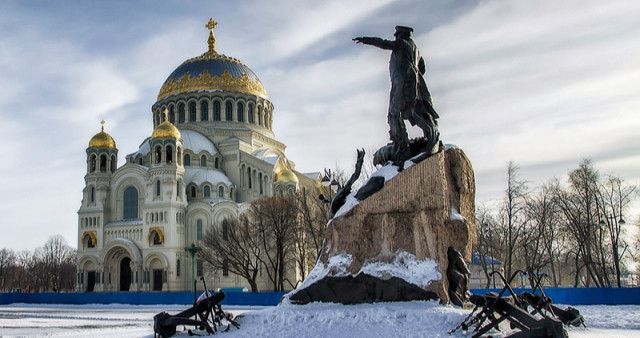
(412, 319)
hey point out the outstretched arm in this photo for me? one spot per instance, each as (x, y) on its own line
(378, 42)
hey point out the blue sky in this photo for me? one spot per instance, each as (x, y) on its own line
(543, 83)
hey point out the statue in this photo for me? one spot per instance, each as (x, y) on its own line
(409, 99)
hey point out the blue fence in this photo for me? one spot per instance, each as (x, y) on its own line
(570, 296)
(138, 298)
(585, 296)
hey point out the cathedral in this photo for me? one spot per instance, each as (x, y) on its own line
(212, 151)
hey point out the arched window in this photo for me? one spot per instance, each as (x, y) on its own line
(228, 110)
(220, 192)
(103, 163)
(250, 111)
(260, 182)
(158, 154)
(231, 192)
(178, 268)
(130, 204)
(203, 161)
(199, 229)
(204, 111)
(225, 230)
(181, 113)
(169, 155)
(216, 111)
(193, 192)
(172, 115)
(187, 160)
(240, 112)
(200, 268)
(113, 163)
(93, 194)
(87, 241)
(207, 191)
(92, 163)
(217, 165)
(158, 188)
(192, 112)
(259, 116)
(249, 177)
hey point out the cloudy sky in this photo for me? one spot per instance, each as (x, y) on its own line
(544, 83)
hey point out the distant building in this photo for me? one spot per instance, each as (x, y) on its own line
(478, 278)
(212, 151)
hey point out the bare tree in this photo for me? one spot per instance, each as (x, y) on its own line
(7, 262)
(512, 215)
(485, 247)
(313, 214)
(275, 220)
(231, 245)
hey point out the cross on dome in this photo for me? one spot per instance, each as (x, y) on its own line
(102, 123)
(212, 40)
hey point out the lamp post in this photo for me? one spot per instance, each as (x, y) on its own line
(328, 182)
(193, 249)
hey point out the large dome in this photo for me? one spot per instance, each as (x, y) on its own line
(212, 71)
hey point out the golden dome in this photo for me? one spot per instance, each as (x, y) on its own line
(212, 71)
(286, 175)
(166, 129)
(102, 140)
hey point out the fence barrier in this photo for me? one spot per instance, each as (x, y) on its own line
(569, 296)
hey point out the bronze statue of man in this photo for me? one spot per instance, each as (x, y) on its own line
(409, 99)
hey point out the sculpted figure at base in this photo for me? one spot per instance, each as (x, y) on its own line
(409, 99)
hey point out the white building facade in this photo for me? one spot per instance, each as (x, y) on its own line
(211, 152)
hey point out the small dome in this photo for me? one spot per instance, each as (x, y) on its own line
(166, 129)
(286, 175)
(102, 140)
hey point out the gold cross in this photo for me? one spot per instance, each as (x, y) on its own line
(212, 40)
(211, 24)
(102, 123)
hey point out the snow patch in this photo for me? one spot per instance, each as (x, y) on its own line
(455, 215)
(407, 267)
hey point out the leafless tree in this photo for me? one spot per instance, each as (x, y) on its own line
(7, 262)
(231, 245)
(511, 215)
(275, 220)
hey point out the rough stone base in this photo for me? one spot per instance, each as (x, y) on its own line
(424, 210)
(362, 288)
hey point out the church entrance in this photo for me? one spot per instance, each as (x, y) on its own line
(125, 274)
(157, 280)
(91, 280)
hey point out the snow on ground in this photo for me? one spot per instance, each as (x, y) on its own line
(410, 319)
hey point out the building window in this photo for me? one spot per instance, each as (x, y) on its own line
(199, 229)
(231, 193)
(203, 161)
(192, 112)
(225, 268)
(220, 192)
(181, 113)
(228, 110)
(249, 177)
(216, 111)
(200, 268)
(178, 268)
(216, 163)
(204, 111)
(250, 111)
(158, 154)
(193, 192)
(103, 163)
(130, 210)
(158, 188)
(260, 183)
(169, 155)
(172, 115)
(240, 112)
(259, 116)
(207, 191)
(93, 163)
(225, 230)
(113, 163)
(187, 160)
(93, 194)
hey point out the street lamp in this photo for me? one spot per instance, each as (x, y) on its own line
(193, 249)
(328, 182)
